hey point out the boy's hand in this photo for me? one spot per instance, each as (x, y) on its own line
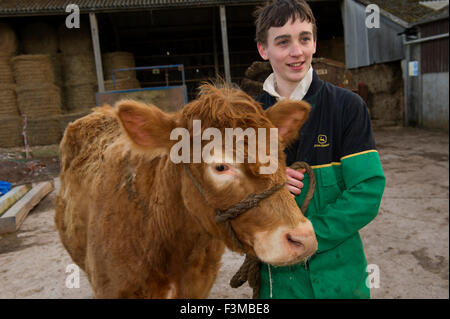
(294, 177)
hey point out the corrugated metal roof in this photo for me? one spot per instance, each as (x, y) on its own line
(43, 7)
(438, 15)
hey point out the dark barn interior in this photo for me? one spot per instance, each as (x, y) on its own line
(192, 36)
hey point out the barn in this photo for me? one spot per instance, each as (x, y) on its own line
(47, 63)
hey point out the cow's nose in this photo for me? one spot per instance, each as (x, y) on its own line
(301, 243)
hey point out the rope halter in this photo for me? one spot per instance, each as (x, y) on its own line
(224, 216)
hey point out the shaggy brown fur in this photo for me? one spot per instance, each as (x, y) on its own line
(134, 221)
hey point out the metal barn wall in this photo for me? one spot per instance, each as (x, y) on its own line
(435, 100)
(364, 46)
(435, 83)
(434, 53)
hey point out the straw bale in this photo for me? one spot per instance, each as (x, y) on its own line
(118, 60)
(6, 73)
(57, 68)
(122, 84)
(251, 87)
(258, 71)
(39, 38)
(8, 40)
(8, 105)
(11, 131)
(32, 69)
(38, 101)
(44, 130)
(74, 41)
(78, 69)
(79, 97)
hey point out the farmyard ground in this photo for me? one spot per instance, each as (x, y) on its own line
(408, 240)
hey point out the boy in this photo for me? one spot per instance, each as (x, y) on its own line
(337, 143)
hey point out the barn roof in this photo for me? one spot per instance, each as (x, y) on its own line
(55, 7)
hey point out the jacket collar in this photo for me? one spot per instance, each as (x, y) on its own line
(300, 91)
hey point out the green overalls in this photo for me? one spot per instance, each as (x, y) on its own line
(337, 142)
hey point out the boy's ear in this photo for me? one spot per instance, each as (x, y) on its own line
(262, 50)
(288, 116)
(145, 125)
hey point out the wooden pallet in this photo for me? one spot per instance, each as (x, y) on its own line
(13, 218)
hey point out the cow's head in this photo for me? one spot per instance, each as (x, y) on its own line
(275, 230)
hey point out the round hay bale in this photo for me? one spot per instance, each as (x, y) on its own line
(32, 69)
(39, 101)
(74, 41)
(258, 71)
(251, 87)
(6, 73)
(8, 106)
(65, 119)
(118, 60)
(11, 131)
(39, 38)
(122, 84)
(8, 40)
(79, 97)
(44, 130)
(78, 69)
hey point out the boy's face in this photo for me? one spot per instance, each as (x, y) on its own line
(289, 49)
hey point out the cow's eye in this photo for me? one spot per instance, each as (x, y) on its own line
(221, 168)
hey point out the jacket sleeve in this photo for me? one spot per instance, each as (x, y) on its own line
(363, 178)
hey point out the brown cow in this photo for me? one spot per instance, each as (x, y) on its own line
(138, 224)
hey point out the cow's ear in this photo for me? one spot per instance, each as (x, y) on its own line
(145, 125)
(288, 116)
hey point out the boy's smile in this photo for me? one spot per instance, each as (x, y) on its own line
(289, 49)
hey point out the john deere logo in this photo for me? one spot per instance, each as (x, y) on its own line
(322, 141)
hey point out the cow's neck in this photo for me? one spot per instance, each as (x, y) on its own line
(160, 182)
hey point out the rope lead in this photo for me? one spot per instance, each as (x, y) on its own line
(249, 270)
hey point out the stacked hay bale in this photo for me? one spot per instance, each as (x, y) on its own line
(38, 98)
(10, 120)
(41, 38)
(385, 92)
(124, 80)
(78, 73)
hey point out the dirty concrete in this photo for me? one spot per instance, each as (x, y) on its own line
(408, 240)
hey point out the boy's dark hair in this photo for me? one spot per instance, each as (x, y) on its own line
(277, 12)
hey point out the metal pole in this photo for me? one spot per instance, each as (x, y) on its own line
(97, 52)
(434, 37)
(226, 55)
(406, 78)
(216, 57)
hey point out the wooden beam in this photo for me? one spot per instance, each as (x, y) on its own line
(97, 52)
(7, 200)
(14, 217)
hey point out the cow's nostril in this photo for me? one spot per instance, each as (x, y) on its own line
(294, 241)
